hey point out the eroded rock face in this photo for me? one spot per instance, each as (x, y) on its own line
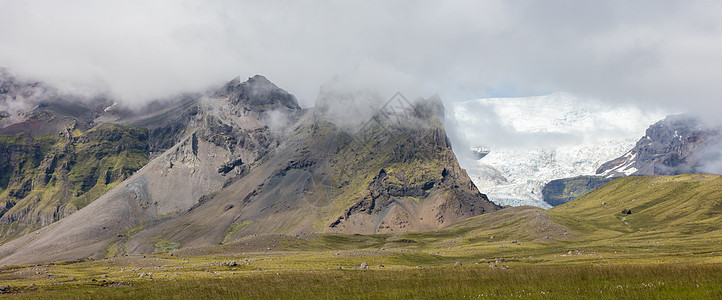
(390, 176)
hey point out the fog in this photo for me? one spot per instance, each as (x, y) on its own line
(665, 52)
(657, 54)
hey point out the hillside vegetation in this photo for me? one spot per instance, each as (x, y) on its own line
(47, 177)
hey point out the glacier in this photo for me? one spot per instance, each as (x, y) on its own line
(512, 147)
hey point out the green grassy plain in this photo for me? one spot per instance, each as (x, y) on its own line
(669, 247)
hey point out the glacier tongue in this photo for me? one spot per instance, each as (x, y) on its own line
(533, 140)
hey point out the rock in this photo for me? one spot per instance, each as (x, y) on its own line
(230, 165)
(458, 263)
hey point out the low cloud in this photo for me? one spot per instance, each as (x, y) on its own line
(665, 53)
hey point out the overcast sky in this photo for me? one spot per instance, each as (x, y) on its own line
(666, 52)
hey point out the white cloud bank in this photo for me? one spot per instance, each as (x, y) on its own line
(663, 52)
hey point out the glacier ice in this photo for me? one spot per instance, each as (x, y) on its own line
(527, 142)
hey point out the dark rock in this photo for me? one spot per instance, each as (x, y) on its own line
(230, 165)
(561, 191)
(257, 93)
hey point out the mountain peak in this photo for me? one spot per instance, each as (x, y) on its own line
(258, 93)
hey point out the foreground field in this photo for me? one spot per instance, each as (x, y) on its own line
(670, 247)
(465, 282)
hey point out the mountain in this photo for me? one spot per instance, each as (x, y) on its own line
(514, 146)
(676, 145)
(245, 160)
(54, 160)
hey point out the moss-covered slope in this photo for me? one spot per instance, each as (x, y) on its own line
(47, 177)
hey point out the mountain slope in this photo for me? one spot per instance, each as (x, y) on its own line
(676, 145)
(391, 178)
(48, 177)
(54, 157)
(678, 207)
(218, 141)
